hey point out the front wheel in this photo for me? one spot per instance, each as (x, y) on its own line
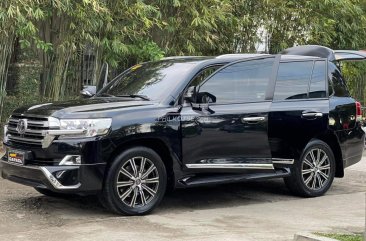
(313, 174)
(135, 183)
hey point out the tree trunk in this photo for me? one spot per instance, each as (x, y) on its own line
(13, 72)
(6, 46)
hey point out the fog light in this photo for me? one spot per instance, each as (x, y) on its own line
(60, 174)
(71, 160)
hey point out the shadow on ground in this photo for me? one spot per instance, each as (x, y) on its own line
(180, 200)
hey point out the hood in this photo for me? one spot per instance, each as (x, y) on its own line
(82, 107)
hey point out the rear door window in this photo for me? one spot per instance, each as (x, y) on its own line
(300, 80)
(240, 82)
(293, 80)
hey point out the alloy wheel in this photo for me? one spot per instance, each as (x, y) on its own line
(315, 169)
(137, 182)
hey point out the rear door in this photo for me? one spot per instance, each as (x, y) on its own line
(232, 135)
(300, 107)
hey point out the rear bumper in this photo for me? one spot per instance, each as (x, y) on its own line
(63, 179)
(352, 144)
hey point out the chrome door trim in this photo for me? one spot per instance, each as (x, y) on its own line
(312, 114)
(283, 161)
(253, 118)
(231, 166)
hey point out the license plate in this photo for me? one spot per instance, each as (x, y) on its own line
(16, 157)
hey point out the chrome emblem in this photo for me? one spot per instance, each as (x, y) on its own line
(22, 126)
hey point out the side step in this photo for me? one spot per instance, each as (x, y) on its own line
(230, 178)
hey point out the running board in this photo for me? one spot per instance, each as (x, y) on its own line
(225, 178)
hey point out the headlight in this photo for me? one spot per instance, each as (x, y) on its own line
(83, 127)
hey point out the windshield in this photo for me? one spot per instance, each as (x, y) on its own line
(151, 80)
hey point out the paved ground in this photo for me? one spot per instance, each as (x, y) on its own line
(246, 211)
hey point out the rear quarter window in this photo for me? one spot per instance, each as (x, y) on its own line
(338, 84)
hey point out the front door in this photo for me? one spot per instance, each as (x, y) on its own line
(228, 126)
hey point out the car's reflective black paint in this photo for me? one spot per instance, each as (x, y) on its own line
(183, 135)
(225, 134)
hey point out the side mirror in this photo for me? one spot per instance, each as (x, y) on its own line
(190, 95)
(88, 91)
(205, 97)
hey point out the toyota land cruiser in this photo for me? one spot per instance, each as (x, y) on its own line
(190, 121)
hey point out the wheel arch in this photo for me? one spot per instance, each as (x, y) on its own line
(331, 139)
(156, 144)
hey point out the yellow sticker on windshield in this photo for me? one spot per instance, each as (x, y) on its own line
(133, 68)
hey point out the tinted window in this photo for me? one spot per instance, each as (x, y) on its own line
(203, 74)
(317, 85)
(241, 82)
(338, 83)
(292, 80)
(153, 80)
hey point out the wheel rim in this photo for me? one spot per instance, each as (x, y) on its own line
(315, 169)
(137, 182)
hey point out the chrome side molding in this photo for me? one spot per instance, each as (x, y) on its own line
(263, 166)
(231, 166)
(283, 161)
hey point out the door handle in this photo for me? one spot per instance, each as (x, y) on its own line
(312, 114)
(253, 119)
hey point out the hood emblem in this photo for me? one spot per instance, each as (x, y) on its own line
(22, 126)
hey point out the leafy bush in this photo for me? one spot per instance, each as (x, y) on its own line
(26, 91)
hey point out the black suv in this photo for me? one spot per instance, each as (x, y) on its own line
(189, 121)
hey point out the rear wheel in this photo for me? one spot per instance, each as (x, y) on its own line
(313, 174)
(135, 183)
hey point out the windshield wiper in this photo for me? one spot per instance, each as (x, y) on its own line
(144, 97)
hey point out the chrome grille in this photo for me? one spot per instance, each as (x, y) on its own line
(34, 133)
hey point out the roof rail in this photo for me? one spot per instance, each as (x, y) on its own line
(180, 57)
(239, 55)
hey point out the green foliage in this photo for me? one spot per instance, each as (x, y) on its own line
(355, 75)
(145, 51)
(342, 237)
(338, 24)
(24, 93)
(193, 27)
(15, 21)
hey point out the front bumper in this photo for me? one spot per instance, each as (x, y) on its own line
(77, 179)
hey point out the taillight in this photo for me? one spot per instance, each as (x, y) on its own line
(358, 111)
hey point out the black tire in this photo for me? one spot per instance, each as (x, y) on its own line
(297, 182)
(50, 193)
(115, 199)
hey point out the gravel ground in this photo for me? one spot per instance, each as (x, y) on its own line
(245, 211)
